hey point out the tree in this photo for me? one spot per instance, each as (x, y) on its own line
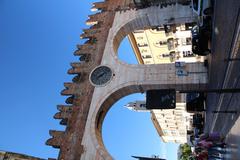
(185, 152)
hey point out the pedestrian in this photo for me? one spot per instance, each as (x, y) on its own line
(205, 144)
(215, 137)
(203, 136)
(203, 155)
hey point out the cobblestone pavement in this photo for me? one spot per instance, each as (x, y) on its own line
(233, 142)
(223, 71)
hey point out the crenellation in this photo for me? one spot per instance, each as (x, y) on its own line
(76, 78)
(75, 70)
(120, 5)
(69, 100)
(88, 104)
(57, 138)
(85, 57)
(92, 30)
(85, 48)
(78, 64)
(90, 33)
(81, 90)
(96, 26)
(16, 156)
(63, 122)
(94, 19)
(64, 107)
(70, 89)
(64, 114)
(78, 67)
(80, 77)
(100, 16)
(99, 6)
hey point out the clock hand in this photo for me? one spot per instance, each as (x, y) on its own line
(100, 75)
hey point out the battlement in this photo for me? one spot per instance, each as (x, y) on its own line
(87, 104)
(16, 156)
(99, 6)
(57, 138)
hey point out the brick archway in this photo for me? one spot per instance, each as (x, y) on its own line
(82, 138)
(135, 78)
(127, 22)
(138, 78)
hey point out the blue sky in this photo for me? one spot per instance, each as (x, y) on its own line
(37, 41)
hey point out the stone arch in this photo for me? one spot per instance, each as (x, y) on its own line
(105, 97)
(138, 78)
(104, 105)
(127, 22)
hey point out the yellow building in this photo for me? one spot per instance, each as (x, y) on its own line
(166, 44)
(171, 124)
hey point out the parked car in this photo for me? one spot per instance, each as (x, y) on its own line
(203, 8)
(195, 102)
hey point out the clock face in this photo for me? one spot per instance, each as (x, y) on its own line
(101, 75)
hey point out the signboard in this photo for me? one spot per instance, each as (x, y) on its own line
(179, 64)
(161, 99)
(195, 102)
(181, 72)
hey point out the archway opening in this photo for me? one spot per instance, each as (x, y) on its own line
(126, 52)
(159, 45)
(135, 24)
(129, 133)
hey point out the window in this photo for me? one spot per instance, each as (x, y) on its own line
(189, 41)
(144, 50)
(159, 28)
(165, 132)
(148, 62)
(182, 133)
(188, 54)
(142, 44)
(165, 55)
(182, 28)
(174, 133)
(139, 38)
(138, 31)
(162, 43)
(178, 114)
(171, 44)
(146, 56)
